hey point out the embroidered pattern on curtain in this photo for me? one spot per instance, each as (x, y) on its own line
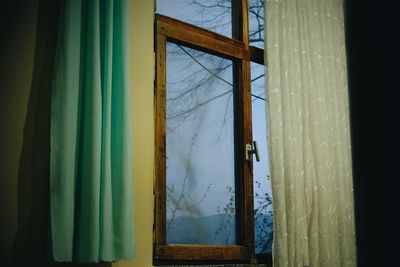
(309, 136)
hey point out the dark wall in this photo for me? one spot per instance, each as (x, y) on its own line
(373, 66)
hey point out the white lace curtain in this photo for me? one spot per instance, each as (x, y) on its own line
(309, 134)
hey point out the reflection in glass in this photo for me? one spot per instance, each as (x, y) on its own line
(214, 15)
(200, 148)
(263, 218)
(256, 23)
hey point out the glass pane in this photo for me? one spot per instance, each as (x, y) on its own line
(263, 218)
(200, 148)
(214, 15)
(256, 23)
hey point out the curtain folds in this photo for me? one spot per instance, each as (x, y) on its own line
(90, 165)
(309, 136)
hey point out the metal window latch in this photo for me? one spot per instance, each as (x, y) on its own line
(252, 149)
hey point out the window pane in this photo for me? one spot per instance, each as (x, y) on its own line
(263, 219)
(214, 15)
(200, 148)
(256, 23)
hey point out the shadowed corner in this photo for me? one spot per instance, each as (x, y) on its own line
(31, 240)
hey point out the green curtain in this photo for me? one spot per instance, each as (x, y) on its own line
(90, 165)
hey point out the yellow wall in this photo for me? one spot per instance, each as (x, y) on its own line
(26, 55)
(143, 129)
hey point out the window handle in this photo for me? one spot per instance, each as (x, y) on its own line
(252, 149)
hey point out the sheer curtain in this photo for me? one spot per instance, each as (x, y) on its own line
(90, 164)
(309, 136)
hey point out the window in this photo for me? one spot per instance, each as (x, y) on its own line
(210, 106)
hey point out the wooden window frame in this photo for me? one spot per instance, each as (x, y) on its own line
(239, 51)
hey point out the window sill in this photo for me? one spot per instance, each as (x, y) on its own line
(220, 265)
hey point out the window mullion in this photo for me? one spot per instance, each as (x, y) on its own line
(243, 134)
(240, 21)
(160, 142)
